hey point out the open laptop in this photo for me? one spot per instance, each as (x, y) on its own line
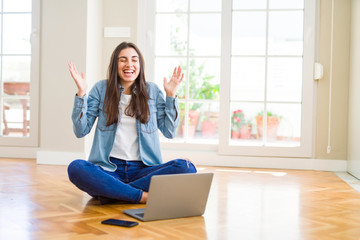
(175, 196)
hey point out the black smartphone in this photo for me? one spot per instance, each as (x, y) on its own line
(118, 222)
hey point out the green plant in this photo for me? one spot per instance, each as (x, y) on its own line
(268, 113)
(271, 117)
(199, 82)
(272, 123)
(238, 120)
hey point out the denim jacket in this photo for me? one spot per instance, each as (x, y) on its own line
(164, 115)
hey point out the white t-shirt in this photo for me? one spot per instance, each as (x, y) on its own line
(126, 145)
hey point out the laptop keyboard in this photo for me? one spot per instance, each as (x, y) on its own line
(140, 214)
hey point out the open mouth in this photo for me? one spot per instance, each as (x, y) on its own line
(129, 72)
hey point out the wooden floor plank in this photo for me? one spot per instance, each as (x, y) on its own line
(39, 202)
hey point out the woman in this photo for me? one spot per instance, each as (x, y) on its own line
(129, 111)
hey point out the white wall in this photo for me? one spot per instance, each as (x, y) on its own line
(118, 13)
(354, 96)
(340, 80)
(62, 39)
(71, 30)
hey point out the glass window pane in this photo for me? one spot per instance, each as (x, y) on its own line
(164, 67)
(209, 120)
(16, 68)
(17, 5)
(271, 123)
(205, 5)
(286, 4)
(247, 79)
(288, 130)
(204, 78)
(181, 127)
(249, 33)
(286, 33)
(283, 124)
(16, 117)
(246, 4)
(243, 123)
(171, 35)
(191, 121)
(16, 34)
(16, 88)
(171, 5)
(284, 79)
(0, 31)
(205, 39)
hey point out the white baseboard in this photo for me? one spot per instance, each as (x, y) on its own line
(214, 159)
(18, 152)
(58, 158)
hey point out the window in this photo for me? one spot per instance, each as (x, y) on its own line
(182, 23)
(18, 74)
(248, 88)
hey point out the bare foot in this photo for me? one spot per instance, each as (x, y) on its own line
(144, 197)
(187, 159)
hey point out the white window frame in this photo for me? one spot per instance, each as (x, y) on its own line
(146, 25)
(32, 139)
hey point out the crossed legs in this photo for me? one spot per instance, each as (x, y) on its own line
(130, 182)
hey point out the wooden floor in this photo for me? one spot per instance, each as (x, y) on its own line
(38, 202)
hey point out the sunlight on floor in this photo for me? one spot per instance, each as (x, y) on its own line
(277, 174)
(349, 179)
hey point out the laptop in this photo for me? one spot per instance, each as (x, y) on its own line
(175, 196)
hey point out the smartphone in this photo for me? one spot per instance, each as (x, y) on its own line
(118, 222)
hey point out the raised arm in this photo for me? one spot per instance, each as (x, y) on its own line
(79, 79)
(173, 84)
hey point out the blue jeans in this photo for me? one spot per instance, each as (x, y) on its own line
(129, 180)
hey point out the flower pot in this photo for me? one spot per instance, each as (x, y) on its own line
(208, 129)
(191, 130)
(245, 132)
(193, 120)
(271, 128)
(235, 134)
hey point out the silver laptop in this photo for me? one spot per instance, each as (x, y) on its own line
(175, 196)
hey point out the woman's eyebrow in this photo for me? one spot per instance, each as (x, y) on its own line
(131, 57)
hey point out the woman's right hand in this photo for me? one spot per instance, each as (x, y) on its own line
(80, 80)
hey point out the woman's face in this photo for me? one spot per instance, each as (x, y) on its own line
(128, 66)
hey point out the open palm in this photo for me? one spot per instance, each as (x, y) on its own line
(80, 80)
(172, 85)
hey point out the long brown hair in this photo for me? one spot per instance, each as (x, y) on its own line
(138, 106)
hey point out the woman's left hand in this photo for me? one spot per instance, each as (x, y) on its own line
(172, 86)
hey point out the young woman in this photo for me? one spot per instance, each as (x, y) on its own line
(126, 151)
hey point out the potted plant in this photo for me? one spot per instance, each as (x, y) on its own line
(245, 130)
(200, 87)
(272, 124)
(240, 128)
(209, 120)
(236, 121)
(209, 123)
(193, 119)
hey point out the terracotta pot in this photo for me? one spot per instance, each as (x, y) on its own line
(208, 129)
(271, 128)
(191, 130)
(192, 123)
(235, 134)
(245, 132)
